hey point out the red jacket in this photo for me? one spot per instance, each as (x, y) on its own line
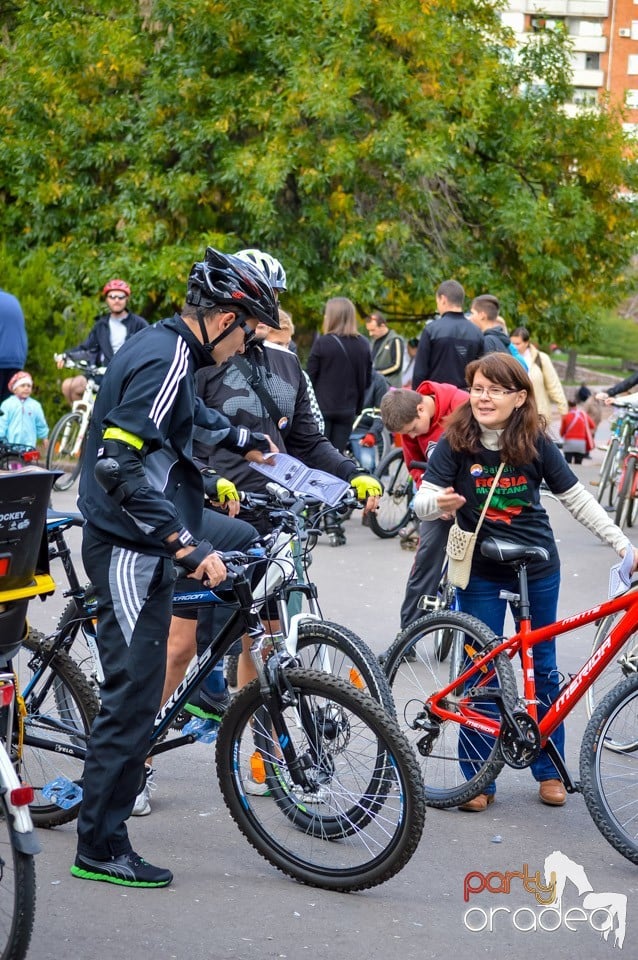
(446, 399)
(578, 425)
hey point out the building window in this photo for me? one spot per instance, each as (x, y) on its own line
(632, 64)
(592, 61)
(632, 99)
(584, 97)
(634, 29)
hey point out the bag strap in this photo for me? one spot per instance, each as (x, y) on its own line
(489, 497)
(282, 423)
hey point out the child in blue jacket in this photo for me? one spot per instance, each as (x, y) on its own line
(22, 418)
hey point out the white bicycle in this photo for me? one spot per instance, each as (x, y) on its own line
(66, 443)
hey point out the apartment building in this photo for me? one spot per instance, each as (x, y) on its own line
(605, 44)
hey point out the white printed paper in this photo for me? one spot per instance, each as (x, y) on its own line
(293, 475)
(620, 573)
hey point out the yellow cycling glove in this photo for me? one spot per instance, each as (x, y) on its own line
(226, 490)
(366, 486)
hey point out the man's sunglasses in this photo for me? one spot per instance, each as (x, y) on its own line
(116, 296)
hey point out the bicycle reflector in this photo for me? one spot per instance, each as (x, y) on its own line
(5, 563)
(22, 796)
(6, 694)
(30, 456)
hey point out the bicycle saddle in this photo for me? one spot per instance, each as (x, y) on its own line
(506, 552)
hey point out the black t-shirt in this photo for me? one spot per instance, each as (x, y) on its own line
(515, 512)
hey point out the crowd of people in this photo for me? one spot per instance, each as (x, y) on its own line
(183, 408)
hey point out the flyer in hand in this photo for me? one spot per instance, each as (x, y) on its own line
(294, 476)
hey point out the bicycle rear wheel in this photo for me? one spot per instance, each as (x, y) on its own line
(60, 708)
(609, 778)
(60, 453)
(606, 468)
(626, 503)
(395, 505)
(17, 892)
(363, 818)
(457, 763)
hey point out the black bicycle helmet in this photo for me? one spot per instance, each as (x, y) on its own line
(223, 280)
(269, 266)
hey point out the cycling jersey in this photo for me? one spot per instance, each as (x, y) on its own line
(149, 392)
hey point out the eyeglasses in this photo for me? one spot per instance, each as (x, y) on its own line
(494, 393)
(116, 296)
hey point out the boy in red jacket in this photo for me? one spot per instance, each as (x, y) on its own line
(419, 417)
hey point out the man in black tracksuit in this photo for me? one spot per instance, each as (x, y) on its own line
(484, 315)
(142, 498)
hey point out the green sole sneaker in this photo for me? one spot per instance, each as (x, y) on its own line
(127, 870)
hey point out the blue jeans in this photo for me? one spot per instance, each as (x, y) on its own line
(367, 456)
(481, 599)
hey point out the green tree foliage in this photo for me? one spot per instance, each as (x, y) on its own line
(375, 147)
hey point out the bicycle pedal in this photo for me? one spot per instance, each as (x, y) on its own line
(63, 792)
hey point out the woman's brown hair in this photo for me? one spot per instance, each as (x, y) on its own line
(340, 317)
(525, 425)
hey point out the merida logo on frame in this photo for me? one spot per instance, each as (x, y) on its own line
(603, 913)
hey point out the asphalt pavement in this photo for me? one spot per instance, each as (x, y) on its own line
(226, 902)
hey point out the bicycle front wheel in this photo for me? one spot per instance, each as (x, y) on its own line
(60, 708)
(609, 778)
(457, 762)
(17, 892)
(395, 505)
(333, 649)
(612, 674)
(65, 452)
(362, 818)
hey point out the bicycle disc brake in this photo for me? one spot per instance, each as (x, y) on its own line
(519, 739)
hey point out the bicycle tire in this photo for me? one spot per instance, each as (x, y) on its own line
(334, 649)
(608, 777)
(75, 620)
(606, 468)
(63, 436)
(231, 664)
(395, 508)
(382, 777)
(60, 708)
(612, 674)
(414, 673)
(626, 503)
(17, 892)
(613, 488)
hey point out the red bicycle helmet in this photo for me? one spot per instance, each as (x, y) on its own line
(117, 285)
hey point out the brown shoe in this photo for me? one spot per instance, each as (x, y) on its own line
(478, 804)
(552, 792)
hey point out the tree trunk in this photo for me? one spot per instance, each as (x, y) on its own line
(570, 370)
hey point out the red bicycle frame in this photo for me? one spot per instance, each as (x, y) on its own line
(524, 641)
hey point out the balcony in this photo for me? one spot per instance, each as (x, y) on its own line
(588, 78)
(568, 8)
(588, 44)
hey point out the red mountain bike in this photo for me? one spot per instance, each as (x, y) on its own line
(467, 730)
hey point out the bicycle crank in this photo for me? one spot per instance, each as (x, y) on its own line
(519, 740)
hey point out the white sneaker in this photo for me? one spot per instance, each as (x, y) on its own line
(142, 805)
(255, 789)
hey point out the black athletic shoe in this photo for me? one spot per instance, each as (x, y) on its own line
(129, 870)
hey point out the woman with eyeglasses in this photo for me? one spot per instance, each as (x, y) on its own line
(108, 334)
(501, 424)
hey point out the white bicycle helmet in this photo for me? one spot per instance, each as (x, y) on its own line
(269, 266)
